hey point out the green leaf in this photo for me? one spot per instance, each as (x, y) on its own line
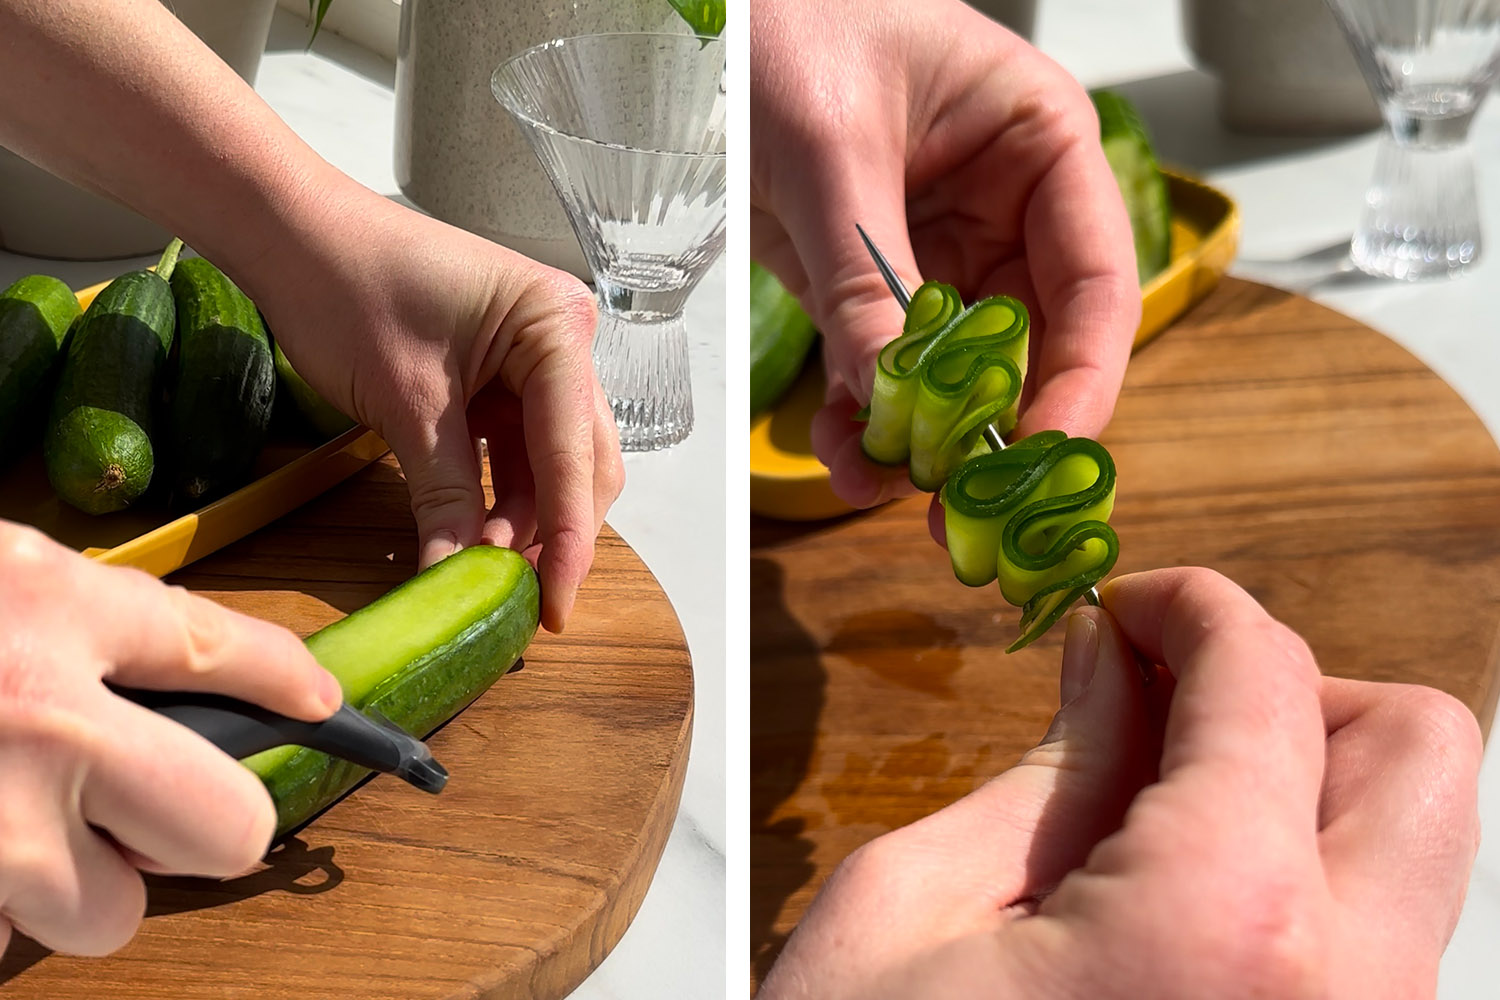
(705, 17)
(316, 10)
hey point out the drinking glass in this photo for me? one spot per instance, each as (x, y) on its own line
(630, 128)
(1430, 64)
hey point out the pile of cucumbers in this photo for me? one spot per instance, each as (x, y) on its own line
(782, 337)
(168, 378)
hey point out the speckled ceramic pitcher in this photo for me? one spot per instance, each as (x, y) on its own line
(458, 154)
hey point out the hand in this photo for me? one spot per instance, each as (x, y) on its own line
(1249, 829)
(433, 337)
(436, 338)
(97, 787)
(925, 117)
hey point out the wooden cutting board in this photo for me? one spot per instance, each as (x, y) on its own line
(513, 883)
(1304, 455)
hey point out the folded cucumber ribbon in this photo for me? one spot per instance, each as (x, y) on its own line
(951, 372)
(1032, 516)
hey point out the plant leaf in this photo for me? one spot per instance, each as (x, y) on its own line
(316, 10)
(705, 17)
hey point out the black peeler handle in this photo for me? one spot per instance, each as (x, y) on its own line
(241, 729)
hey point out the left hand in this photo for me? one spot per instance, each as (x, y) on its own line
(969, 157)
(436, 338)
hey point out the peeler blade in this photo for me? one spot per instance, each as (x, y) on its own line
(418, 767)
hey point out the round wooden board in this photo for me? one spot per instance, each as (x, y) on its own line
(513, 883)
(1305, 456)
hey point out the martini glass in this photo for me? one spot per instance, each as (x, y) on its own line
(1430, 64)
(630, 128)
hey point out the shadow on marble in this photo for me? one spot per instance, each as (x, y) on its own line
(289, 33)
(1320, 270)
(1181, 111)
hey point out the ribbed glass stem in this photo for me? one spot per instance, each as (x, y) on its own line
(1421, 215)
(642, 362)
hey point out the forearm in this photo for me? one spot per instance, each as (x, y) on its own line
(121, 98)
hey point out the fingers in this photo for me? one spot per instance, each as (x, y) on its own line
(174, 798)
(836, 442)
(844, 293)
(1399, 822)
(442, 474)
(61, 883)
(558, 402)
(1018, 835)
(1245, 729)
(166, 639)
(609, 466)
(1088, 292)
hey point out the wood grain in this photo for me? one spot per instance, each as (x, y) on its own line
(1305, 456)
(513, 884)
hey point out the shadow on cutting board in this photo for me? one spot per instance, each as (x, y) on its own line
(290, 867)
(786, 698)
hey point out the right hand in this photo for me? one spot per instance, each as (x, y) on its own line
(97, 788)
(1243, 828)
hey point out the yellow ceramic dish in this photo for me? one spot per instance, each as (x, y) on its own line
(149, 537)
(788, 483)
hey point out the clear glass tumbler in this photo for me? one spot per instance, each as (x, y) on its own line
(630, 128)
(1430, 64)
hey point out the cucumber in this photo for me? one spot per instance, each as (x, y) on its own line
(418, 655)
(1127, 147)
(223, 386)
(36, 314)
(98, 447)
(781, 338)
(328, 421)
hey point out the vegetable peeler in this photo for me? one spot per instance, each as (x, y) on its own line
(893, 282)
(241, 729)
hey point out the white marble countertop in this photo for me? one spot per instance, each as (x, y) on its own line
(1299, 197)
(671, 513)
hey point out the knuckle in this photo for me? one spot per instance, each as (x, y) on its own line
(1278, 946)
(431, 499)
(205, 630)
(24, 548)
(1441, 727)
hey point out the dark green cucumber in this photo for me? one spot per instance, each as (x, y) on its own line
(223, 385)
(418, 655)
(1127, 147)
(317, 411)
(98, 447)
(781, 338)
(36, 314)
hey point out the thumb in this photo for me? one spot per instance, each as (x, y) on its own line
(1039, 820)
(441, 467)
(845, 293)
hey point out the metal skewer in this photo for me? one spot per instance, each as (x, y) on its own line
(893, 282)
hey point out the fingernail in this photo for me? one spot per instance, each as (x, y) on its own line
(329, 692)
(440, 546)
(1080, 654)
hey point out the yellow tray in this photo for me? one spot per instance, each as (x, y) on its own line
(789, 483)
(288, 474)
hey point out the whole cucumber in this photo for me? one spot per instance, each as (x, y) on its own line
(781, 338)
(36, 314)
(223, 384)
(98, 447)
(418, 655)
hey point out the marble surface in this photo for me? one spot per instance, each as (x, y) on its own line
(1300, 199)
(340, 99)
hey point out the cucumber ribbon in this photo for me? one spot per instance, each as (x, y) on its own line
(1032, 516)
(951, 372)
